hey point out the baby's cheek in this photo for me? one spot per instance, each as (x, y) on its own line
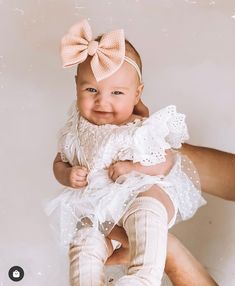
(85, 105)
(124, 111)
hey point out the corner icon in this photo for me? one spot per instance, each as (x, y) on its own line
(16, 273)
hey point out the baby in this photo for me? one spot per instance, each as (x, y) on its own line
(122, 170)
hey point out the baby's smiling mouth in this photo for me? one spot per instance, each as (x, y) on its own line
(101, 112)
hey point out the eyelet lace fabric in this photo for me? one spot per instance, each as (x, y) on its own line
(102, 202)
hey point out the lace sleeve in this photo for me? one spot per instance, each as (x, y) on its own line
(163, 130)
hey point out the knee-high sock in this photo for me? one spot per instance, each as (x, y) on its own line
(87, 257)
(146, 226)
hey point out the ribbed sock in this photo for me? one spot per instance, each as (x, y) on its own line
(87, 257)
(146, 226)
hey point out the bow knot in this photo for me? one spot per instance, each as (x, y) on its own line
(92, 47)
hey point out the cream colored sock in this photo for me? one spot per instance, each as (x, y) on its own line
(87, 257)
(146, 226)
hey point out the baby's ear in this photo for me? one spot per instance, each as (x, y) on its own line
(139, 92)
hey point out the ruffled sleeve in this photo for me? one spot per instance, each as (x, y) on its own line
(163, 130)
(67, 144)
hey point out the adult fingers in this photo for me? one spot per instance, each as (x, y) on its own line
(119, 256)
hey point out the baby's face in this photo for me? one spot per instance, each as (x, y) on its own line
(110, 101)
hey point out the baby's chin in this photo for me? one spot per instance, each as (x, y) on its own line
(99, 120)
(103, 121)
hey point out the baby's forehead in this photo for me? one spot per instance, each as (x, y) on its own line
(123, 77)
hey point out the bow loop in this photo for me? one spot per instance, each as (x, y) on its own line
(82, 29)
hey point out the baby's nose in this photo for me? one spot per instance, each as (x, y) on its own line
(100, 97)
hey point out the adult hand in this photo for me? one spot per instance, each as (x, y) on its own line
(120, 255)
(141, 109)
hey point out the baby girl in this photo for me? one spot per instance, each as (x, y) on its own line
(120, 170)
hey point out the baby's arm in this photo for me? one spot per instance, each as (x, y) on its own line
(67, 175)
(123, 167)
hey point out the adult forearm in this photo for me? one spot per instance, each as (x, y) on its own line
(182, 268)
(216, 170)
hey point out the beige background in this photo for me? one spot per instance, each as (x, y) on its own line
(187, 48)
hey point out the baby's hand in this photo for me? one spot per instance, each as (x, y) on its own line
(78, 177)
(119, 168)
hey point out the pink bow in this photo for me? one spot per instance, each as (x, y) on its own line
(107, 54)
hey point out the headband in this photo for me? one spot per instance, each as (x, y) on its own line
(107, 55)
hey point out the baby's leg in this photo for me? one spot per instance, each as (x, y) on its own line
(87, 256)
(146, 224)
(157, 193)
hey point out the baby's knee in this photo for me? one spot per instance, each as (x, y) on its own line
(91, 242)
(157, 193)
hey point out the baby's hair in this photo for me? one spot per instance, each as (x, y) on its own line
(131, 52)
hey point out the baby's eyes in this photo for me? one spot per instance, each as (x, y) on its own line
(91, 89)
(117, 92)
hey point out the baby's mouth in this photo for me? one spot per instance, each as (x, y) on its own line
(98, 112)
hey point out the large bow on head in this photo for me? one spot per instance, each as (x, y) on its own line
(107, 54)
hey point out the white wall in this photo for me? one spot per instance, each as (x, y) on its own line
(187, 48)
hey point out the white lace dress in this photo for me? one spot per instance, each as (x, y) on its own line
(102, 202)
